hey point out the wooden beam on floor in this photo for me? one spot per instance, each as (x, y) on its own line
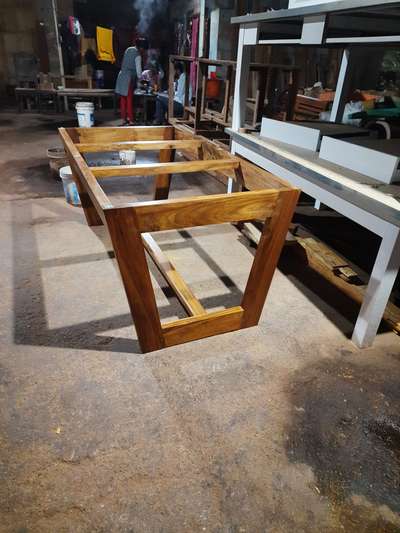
(138, 145)
(150, 169)
(335, 269)
(188, 300)
(332, 267)
(194, 328)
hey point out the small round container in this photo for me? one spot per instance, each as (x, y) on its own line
(57, 159)
(70, 189)
(127, 157)
(85, 113)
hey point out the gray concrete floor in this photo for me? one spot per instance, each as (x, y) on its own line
(282, 427)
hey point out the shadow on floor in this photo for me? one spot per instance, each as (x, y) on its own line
(30, 316)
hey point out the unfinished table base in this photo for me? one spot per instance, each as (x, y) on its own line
(130, 226)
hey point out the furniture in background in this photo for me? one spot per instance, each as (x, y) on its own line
(211, 121)
(91, 95)
(361, 198)
(30, 98)
(144, 104)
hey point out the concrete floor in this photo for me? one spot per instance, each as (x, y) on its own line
(282, 427)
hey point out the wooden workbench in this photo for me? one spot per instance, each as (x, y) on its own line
(87, 94)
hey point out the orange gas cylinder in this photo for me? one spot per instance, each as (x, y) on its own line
(213, 88)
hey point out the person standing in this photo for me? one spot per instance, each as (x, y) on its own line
(131, 70)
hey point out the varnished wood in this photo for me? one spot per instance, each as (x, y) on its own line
(201, 211)
(150, 169)
(162, 182)
(254, 177)
(128, 225)
(129, 252)
(138, 145)
(266, 259)
(328, 263)
(128, 133)
(94, 198)
(186, 297)
(194, 328)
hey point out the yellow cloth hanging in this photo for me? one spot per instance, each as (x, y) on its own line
(105, 51)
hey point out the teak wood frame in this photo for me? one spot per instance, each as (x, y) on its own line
(129, 225)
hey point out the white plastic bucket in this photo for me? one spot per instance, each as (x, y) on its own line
(127, 157)
(70, 190)
(85, 112)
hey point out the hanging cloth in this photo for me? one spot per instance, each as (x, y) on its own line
(105, 51)
(74, 26)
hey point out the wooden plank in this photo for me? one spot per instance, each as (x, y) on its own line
(128, 133)
(329, 265)
(194, 328)
(94, 200)
(266, 258)
(129, 252)
(150, 169)
(182, 58)
(217, 62)
(201, 211)
(138, 145)
(212, 151)
(254, 177)
(188, 300)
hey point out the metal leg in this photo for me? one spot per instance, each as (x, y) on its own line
(380, 286)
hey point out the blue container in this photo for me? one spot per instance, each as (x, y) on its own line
(70, 189)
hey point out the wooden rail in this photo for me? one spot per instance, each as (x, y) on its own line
(138, 146)
(149, 169)
(173, 278)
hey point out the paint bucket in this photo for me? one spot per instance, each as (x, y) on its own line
(85, 112)
(70, 189)
(57, 159)
(127, 157)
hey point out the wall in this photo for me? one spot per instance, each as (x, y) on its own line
(28, 26)
(18, 33)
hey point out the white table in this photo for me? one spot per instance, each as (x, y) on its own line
(372, 204)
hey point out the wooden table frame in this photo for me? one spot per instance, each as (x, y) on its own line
(129, 225)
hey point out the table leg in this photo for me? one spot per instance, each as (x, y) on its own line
(380, 286)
